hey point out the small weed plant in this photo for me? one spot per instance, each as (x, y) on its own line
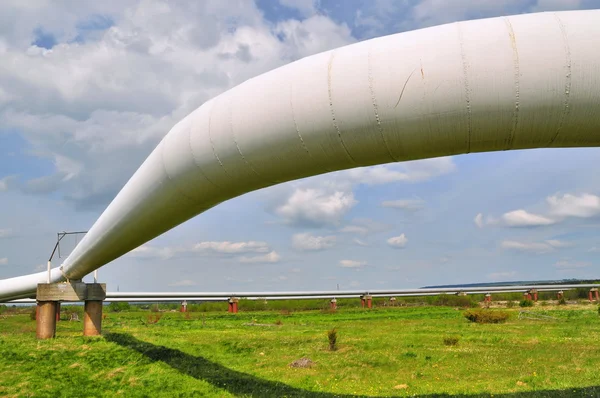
(562, 301)
(153, 318)
(487, 316)
(451, 340)
(526, 303)
(332, 336)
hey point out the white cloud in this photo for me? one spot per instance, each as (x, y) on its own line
(405, 204)
(5, 233)
(435, 12)
(360, 242)
(149, 251)
(398, 242)
(498, 276)
(567, 264)
(3, 261)
(560, 207)
(355, 229)
(352, 264)
(534, 247)
(558, 243)
(567, 205)
(271, 257)
(227, 247)
(521, 218)
(116, 90)
(415, 171)
(365, 226)
(312, 35)
(201, 248)
(5, 183)
(184, 282)
(315, 207)
(479, 220)
(306, 7)
(556, 5)
(308, 242)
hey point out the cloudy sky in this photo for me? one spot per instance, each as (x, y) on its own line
(87, 89)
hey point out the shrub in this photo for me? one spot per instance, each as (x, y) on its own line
(451, 341)
(562, 301)
(487, 316)
(449, 300)
(118, 306)
(278, 322)
(526, 303)
(510, 304)
(332, 336)
(153, 318)
(33, 313)
(69, 310)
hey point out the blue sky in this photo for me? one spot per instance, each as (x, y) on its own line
(87, 90)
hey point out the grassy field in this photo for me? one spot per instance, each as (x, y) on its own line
(382, 352)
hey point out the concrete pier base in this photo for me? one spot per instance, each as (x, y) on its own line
(92, 318)
(49, 296)
(46, 319)
(233, 305)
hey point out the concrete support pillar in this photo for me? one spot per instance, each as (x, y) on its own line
(49, 296)
(362, 301)
(392, 301)
(597, 296)
(593, 294)
(488, 298)
(533, 293)
(184, 306)
(46, 319)
(233, 305)
(526, 296)
(92, 318)
(333, 304)
(369, 301)
(559, 295)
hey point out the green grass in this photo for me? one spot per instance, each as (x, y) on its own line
(381, 352)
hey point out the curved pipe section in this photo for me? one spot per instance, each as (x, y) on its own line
(526, 81)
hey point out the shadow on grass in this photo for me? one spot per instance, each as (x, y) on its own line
(239, 383)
